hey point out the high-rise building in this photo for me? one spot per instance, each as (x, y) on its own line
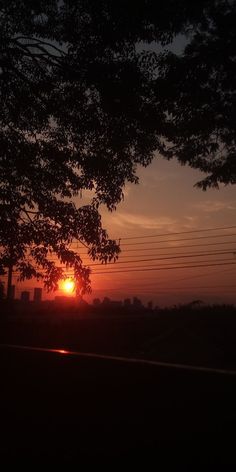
(38, 294)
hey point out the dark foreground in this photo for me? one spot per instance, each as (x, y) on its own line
(57, 409)
(201, 337)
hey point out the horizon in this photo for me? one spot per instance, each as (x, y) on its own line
(190, 212)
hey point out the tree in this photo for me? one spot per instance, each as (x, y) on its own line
(198, 89)
(39, 166)
(85, 98)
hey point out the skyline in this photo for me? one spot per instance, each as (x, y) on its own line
(165, 201)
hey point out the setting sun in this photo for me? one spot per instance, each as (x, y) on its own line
(68, 286)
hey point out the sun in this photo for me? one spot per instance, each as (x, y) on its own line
(68, 286)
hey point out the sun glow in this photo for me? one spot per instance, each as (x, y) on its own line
(68, 286)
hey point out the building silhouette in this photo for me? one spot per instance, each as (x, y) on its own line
(38, 294)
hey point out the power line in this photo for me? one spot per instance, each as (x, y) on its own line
(184, 256)
(170, 248)
(122, 256)
(219, 262)
(184, 239)
(165, 265)
(173, 246)
(166, 258)
(222, 228)
(180, 247)
(164, 268)
(218, 228)
(180, 232)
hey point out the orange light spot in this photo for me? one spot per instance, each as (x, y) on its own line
(68, 286)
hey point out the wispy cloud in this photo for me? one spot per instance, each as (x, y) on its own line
(139, 221)
(190, 222)
(154, 180)
(213, 206)
(126, 191)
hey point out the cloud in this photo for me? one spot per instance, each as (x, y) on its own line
(155, 180)
(190, 222)
(139, 221)
(210, 206)
(126, 191)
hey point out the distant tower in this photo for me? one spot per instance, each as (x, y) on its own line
(25, 296)
(38, 294)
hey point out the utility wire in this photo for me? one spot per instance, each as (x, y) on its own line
(166, 258)
(160, 248)
(218, 228)
(180, 232)
(122, 256)
(164, 268)
(153, 259)
(184, 239)
(179, 241)
(179, 247)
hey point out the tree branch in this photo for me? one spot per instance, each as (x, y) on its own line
(40, 41)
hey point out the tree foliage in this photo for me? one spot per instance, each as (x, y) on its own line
(89, 90)
(198, 90)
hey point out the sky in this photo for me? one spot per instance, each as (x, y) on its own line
(165, 201)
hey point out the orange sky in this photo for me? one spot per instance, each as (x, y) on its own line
(165, 201)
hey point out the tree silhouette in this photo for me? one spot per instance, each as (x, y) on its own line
(198, 89)
(88, 91)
